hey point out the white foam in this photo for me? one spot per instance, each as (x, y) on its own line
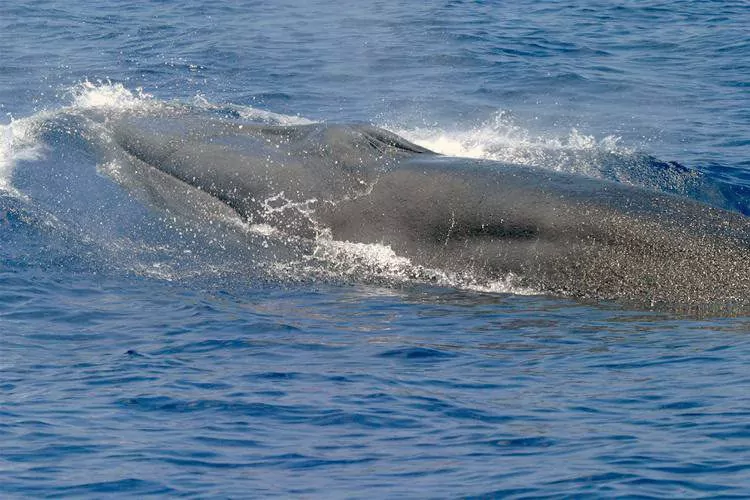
(111, 96)
(279, 203)
(507, 284)
(354, 258)
(6, 156)
(261, 229)
(113, 170)
(380, 261)
(19, 142)
(19, 139)
(501, 139)
(116, 97)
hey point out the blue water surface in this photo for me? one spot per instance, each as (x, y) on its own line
(139, 356)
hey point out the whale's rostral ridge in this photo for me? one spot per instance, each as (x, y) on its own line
(554, 232)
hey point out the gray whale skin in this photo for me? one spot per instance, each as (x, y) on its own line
(557, 233)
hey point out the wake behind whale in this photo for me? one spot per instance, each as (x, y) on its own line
(478, 220)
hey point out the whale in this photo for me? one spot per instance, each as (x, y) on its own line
(557, 233)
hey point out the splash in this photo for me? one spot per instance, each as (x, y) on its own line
(19, 139)
(380, 263)
(356, 259)
(112, 97)
(502, 139)
(509, 284)
(6, 156)
(18, 142)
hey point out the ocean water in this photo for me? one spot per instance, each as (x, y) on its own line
(143, 353)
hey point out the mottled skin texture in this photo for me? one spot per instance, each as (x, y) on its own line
(559, 233)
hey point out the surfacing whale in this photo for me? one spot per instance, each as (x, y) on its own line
(557, 233)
